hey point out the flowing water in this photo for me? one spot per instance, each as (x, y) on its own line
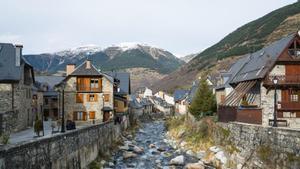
(157, 156)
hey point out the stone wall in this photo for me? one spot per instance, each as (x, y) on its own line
(72, 150)
(263, 147)
(22, 102)
(8, 122)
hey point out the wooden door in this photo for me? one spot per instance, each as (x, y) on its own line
(106, 116)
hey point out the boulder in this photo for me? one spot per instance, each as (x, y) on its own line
(182, 144)
(190, 153)
(200, 154)
(111, 164)
(138, 150)
(214, 149)
(194, 166)
(129, 136)
(152, 146)
(179, 160)
(221, 156)
(127, 155)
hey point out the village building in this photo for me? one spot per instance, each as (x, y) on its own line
(161, 106)
(169, 99)
(16, 84)
(122, 91)
(253, 99)
(88, 94)
(50, 97)
(144, 92)
(181, 104)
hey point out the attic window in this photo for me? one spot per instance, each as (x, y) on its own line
(262, 53)
(245, 76)
(294, 50)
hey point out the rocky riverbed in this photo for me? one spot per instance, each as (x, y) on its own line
(151, 148)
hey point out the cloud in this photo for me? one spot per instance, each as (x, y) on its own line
(10, 38)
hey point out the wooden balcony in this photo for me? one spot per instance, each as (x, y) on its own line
(289, 106)
(87, 88)
(291, 80)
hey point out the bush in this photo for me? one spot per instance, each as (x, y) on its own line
(4, 138)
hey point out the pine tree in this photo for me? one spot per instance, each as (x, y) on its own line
(203, 102)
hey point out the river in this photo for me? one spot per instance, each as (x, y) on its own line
(151, 137)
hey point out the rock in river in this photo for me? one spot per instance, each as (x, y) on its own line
(127, 155)
(179, 160)
(137, 150)
(194, 166)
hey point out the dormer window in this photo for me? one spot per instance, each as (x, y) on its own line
(294, 50)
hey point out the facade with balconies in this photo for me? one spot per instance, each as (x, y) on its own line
(253, 100)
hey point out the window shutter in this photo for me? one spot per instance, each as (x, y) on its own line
(100, 84)
(95, 97)
(84, 116)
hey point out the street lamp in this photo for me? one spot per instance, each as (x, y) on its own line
(275, 82)
(63, 84)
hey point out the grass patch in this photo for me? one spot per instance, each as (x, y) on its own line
(264, 152)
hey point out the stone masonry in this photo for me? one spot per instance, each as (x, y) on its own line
(280, 146)
(71, 150)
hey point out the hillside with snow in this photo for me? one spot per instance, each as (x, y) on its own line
(115, 57)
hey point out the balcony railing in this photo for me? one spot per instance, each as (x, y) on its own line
(289, 106)
(283, 80)
(88, 88)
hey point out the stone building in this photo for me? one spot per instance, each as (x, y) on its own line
(252, 99)
(88, 94)
(16, 83)
(122, 91)
(50, 100)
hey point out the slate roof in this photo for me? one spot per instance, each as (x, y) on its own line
(134, 103)
(234, 69)
(9, 70)
(50, 80)
(180, 94)
(124, 79)
(81, 70)
(192, 92)
(262, 61)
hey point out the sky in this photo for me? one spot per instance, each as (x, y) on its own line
(179, 26)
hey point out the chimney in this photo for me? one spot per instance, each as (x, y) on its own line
(70, 69)
(88, 64)
(18, 54)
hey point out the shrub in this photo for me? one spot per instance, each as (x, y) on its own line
(4, 138)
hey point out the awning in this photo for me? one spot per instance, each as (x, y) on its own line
(234, 98)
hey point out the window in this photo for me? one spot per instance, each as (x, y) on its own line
(116, 103)
(92, 115)
(94, 83)
(79, 116)
(92, 98)
(106, 97)
(79, 98)
(294, 97)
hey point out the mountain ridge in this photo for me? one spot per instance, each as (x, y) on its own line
(245, 39)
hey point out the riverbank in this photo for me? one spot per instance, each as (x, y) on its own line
(236, 145)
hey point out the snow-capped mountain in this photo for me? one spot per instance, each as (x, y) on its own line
(121, 56)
